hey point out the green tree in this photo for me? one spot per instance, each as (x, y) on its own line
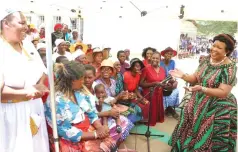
(212, 28)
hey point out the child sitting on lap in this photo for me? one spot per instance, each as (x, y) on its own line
(106, 103)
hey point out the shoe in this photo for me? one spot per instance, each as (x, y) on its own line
(176, 116)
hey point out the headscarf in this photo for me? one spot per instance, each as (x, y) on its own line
(57, 26)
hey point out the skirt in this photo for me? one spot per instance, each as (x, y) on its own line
(98, 145)
(126, 126)
(172, 100)
(18, 134)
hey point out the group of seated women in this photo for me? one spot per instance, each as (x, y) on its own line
(96, 107)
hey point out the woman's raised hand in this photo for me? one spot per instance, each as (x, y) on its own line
(176, 73)
(123, 95)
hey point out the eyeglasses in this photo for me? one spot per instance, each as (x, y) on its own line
(106, 69)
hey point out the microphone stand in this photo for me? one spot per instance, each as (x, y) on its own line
(148, 132)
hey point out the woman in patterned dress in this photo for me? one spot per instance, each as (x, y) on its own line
(74, 115)
(90, 74)
(209, 120)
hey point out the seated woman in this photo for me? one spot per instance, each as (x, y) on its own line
(152, 75)
(73, 122)
(131, 84)
(168, 64)
(126, 125)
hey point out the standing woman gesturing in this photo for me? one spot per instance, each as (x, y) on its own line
(209, 120)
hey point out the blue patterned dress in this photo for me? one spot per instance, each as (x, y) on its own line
(68, 113)
(173, 99)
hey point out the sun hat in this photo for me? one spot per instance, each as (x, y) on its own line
(58, 42)
(77, 54)
(168, 49)
(107, 63)
(73, 47)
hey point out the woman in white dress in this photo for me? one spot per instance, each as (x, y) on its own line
(23, 71)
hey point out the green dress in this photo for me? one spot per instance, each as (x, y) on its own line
(208, 123)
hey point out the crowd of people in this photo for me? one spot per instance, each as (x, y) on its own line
(98, 100)
(200, 46)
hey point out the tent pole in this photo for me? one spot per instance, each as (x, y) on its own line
(49, 25)
(81, 28)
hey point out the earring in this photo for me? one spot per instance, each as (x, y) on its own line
(224, 54)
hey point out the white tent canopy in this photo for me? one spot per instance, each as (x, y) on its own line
(194, 9)
(160, 28)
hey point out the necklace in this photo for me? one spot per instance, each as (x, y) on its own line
(212, 63)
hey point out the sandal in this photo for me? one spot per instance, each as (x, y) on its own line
(176, 116)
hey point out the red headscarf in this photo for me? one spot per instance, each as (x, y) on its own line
(58, 26)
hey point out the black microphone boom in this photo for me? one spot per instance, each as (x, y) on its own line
(169, 77)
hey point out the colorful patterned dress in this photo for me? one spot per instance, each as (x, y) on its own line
(90, 105)
(173, 99)
(119, 83)
(72, 120)
(208, 123)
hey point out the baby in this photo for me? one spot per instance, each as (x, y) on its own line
(105, 103)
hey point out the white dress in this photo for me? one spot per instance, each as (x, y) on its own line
(21, 71)
(1, 115)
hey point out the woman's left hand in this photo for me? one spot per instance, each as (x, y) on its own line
(144, 101)
(194, 88)
(102, 132)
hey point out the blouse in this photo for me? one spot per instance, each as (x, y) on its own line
(171, 66)
(109, 89)
(69, 113)
(131, 81)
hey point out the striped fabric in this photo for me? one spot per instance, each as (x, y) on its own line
(208, 123)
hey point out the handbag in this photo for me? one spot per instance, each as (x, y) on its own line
(169, 87)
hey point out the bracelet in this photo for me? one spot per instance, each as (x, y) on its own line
(95, 135)
(204, 89)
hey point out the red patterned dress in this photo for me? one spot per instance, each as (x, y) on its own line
(208, 123)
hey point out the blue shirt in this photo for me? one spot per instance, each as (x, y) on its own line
(169, 67)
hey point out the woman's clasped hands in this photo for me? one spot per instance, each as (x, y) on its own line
(36, 91)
